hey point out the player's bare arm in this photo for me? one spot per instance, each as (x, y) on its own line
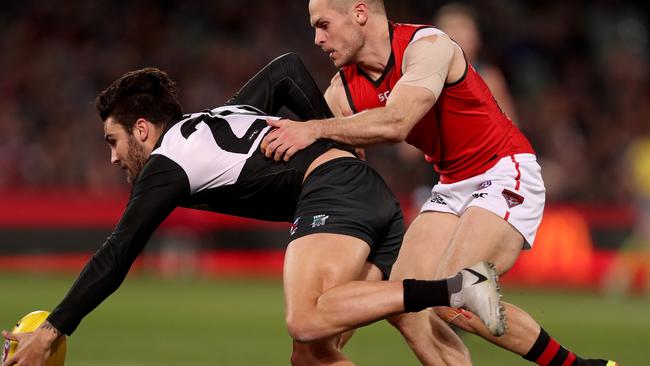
(428, 64)
(336, 100)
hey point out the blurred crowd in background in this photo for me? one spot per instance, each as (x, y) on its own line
(577, 74)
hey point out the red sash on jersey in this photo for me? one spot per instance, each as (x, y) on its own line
(464, 134)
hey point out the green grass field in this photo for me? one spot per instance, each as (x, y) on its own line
(151, 321)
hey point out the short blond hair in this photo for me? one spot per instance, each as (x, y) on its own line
(375, 6)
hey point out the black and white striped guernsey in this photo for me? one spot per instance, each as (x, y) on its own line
(218, 152)
(209, 161)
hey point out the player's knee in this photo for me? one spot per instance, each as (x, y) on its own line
(303, 329)
(402, 323)
(438, 337)
(396, 320)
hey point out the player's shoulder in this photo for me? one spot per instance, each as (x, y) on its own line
(336, 97)
(431, 35)
(336, 84)
(430, 45)
(408, 33)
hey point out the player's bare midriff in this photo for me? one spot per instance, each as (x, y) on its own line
(328, 155)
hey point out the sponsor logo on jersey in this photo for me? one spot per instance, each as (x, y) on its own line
(383, 97)
(319, 220)
(513, 199)
(437, 198)
(479, 195)
(294, 226)
(485, 184)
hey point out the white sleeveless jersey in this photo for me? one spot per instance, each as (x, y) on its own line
(213, 146)
(217, 152)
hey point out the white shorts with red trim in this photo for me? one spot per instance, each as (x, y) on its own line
(512, 189)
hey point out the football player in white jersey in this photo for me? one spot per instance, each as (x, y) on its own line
(347, 226)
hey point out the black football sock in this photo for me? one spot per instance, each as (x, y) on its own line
(548, 352)
(419, 294)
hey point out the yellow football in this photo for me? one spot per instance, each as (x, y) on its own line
(29, 323)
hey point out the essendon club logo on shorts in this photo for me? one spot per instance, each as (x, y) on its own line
(513, 199)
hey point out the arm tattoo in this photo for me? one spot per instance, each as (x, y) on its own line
(50, 327)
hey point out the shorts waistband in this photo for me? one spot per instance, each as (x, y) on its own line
(518, 158)
(330, 164)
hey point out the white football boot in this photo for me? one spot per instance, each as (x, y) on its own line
(481, 294)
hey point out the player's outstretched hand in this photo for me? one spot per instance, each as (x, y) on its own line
(287, 138)
(33, 348)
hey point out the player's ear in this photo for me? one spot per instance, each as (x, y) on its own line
(142, 129)
(361, 13)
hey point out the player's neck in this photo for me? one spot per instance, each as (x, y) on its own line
(151, 142)
(373, 57)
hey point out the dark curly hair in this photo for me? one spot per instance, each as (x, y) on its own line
(146, 93)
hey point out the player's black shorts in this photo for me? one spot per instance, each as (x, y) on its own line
(346, 196)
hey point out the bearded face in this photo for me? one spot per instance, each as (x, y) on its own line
(134, 160)
(126, 151)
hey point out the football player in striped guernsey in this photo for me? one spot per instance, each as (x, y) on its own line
(347, 226)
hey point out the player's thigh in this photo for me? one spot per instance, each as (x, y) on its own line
(481, 235)
(327, 351)
(424, 242)
(370, 272)
(317, 262)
